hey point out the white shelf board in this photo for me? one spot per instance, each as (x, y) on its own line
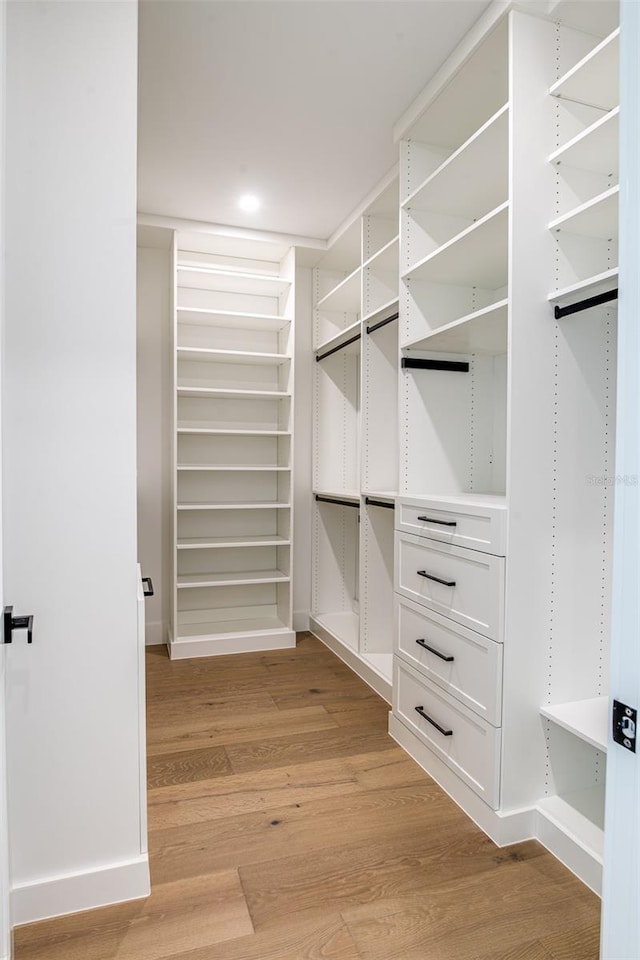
(223, 393)
(344, 626)
(579, 815)
(591, 287)
(382, 663)
(484, 332)
(352, 495)
(200, 427)
(595, 218)
(231, 356)
(586, 719)
(335, 342)
(477, 170)
(219, 280)
(234, 505)
(595, 149)
(224, 543)
(223, 628)
(231, 318)
(238, 579)
(476, 256)
(461, 499)
(598, 19)
(381, 313)
(594, 79)
(388, 495)
(231, 468)
(387, 258)
(345, 296)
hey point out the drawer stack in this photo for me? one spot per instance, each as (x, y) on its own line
(449, 600)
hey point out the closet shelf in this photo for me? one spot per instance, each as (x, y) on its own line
(345, 296)
(224, 543)
(202, 427)
(483, 332)
(475, 257)
(591, 287)
(580, 815)
(463, 499)
(382, 663)
(232, 468)
(344, 626)
(223, 393)
(353, 495)
(386, 259)
(231, 318)
(595, 149)
(594, 79)
(596, 218)
(586, 719)
(388, 496)
(598, 19)
(218, 280)
(334, 343)
(219, 629)
(242, 578)
(231, 356)
(476, 172)
(234, 505)
(382, 313)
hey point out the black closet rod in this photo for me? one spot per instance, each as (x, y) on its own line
(342, 503)
(378, 503)
(561, 312)
(455, 366)
(383, 323)
(340, 346)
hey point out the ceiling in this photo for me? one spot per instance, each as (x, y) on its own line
(291, 100)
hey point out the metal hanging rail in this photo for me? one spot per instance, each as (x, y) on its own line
(383, 323)
(560, 312)
(340, 346)
(454, 366)
(341, 503)
(378, 503)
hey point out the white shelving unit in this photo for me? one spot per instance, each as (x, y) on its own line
(233, 370)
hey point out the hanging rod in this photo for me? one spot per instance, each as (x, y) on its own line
(560, 312)
(342, 503)
(340, 346)
(383, 323)
(455, 366)
(378, 503)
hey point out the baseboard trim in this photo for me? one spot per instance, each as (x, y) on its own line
(300, 621)
(569, 850)
(71, 893)
(380, 684)
(155, 634)
(210, 647)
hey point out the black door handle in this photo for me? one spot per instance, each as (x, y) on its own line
(11, 623)
(148, 591)
(443, 523)
(442, 656)
(425, 716)
(430, 576)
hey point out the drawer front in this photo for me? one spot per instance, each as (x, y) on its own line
(472, 587)
(469, 745)
(463, 663)
(475, 527)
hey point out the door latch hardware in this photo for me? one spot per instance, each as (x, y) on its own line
(148, 589)
(625, 720)
(11, 623)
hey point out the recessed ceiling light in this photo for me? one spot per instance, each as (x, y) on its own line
(249, 202)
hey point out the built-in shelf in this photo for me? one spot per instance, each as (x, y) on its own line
(388, 496)
(598, 19)
(345, 296)
(386, 259)
(580, 816)
(201, 427)
(340, 340)
(594, 79)
(229, 628)
(586, 719)
(382, 663)
(484, 331)
(224, 393)
(583, 289)
(464, 499)
(595, 218)
(233, 505)
(212, 543)
(232, 468)
(231, 356)
(477, 173)
(595, 149)
(382, 313)
(475, 257)
(344, 626)
(231, 318)
(238, 579)
(353, 495)
(231, 281)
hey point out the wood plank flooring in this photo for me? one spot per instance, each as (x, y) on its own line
(285, 824)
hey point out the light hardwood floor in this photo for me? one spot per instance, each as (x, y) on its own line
(285, 824)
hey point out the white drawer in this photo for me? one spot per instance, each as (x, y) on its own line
(467, 744)
(465, 664)
(465, 524)
(468, 585)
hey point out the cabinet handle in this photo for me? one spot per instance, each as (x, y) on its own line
(445, 733)
(436, 653)
(443, 523)
(429, 576)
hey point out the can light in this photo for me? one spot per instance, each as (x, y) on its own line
(249, 203)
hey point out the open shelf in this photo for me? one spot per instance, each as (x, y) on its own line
(344, 626)
(465, 499)
(595, 218)
(352, 495)
(223, 393)
(387, 257)
(591, 287)
(483, 332)
(382, 663)
(595, 149)
(586, 719)
(476, 173)
(227, 318)
(388, 496)
(234, 468)
(382, 313)
(200, 427)
(201, 543)
(580, 816)
(231, 356)
(240, 579)
(594, 79)
(345, 296)
(598, 19)
(234, 505)
(476, 256)
(218, 280)
(340, 341)
(223, 628)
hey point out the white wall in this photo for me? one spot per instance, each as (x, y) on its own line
(70, 455)
(154, 426)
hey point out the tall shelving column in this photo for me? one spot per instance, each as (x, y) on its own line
(233, 451)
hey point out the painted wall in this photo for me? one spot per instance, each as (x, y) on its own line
(70, 455)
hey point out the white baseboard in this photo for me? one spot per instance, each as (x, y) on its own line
(568, 849)
(240, 643)
(155, 633)
(378, 683)
(71, 893)
(300, 620)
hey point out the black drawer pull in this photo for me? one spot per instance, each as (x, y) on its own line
(445, 733)
(443, 523)
(421, 643)
(429, 576)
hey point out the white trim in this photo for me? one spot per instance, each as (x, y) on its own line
(223, 230)
(381, 686)
(238, 643)
(72, 893)
(155, 633)
(570, 851)
(301, 621)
